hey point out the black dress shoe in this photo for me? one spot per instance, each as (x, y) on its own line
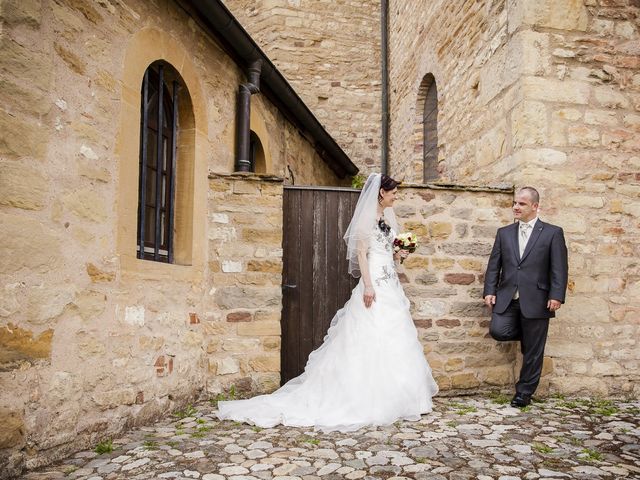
(520, 400)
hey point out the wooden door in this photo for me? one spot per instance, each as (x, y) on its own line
(315, 281)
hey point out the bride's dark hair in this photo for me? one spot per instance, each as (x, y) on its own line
(387, 183)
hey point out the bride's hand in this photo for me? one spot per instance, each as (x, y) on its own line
(369, 296)
(400, 255)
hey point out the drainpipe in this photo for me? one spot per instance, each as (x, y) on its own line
(243, 163)
(384, 54)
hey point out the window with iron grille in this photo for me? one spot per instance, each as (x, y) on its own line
(430, 128)
(158, 137)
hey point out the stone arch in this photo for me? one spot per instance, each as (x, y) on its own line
(259, 127)
(147, 46)
(426, 127)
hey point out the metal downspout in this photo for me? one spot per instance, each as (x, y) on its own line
(384, 54)
(243, 162)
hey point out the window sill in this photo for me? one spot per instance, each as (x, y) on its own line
(133, 267)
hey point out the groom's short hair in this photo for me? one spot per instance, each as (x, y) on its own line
(533, 193)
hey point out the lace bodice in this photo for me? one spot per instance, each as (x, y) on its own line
(380, 255)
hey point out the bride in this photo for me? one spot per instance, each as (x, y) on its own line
(371, 369)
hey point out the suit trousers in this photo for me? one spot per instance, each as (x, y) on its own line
(512, 325)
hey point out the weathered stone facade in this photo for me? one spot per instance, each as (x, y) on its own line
(542, 93)
(443, 280)
(330, 53)
(530, 92)
(92, 339)
(546, 94)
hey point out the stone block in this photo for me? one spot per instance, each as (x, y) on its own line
(271, 343)
(557, 14)
(21, 12)
(263, 236)
(21, 345)
(552, 90)
(426, 278)
(228, 366)
(73, 61)
(192, 338)
(440, 230)
(12, 433)
(416, 262)
(22, 98)
(448, 322)
(259, 329)
(492, 145)
(459, 278)
(22, 186)
(583, 136)
(417, 228)
(579, 386)
(240, 345)
(22, 138)
(497, 375)
(529, 124)
(231, 266)
(472, 264)
(467, 248)
(114, 398)
(90, 304)
(26, 243)
(230, 298)
(578, 201)
(610, 97)
(468, 309)
(453, 364)
(241, 316)
(87, 204)
(601, 117)
(94, 172)
(432, 308)
(267, 266)
(97, 275)
(246, 187)
(464, 380)
(265, 363)
(27, 64)
(442, 263)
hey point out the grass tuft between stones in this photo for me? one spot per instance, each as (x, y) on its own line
(105, 446)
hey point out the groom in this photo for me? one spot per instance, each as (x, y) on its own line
(525, 283)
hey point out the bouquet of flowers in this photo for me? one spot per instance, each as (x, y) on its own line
(405, 241)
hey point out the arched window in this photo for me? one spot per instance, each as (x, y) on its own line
(158, 142)
(256, 154)
(429, 92)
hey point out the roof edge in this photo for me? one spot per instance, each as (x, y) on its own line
(215, 16)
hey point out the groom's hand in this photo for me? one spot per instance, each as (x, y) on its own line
(490, 301)
(553, 305)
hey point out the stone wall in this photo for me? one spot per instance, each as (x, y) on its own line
(245, 243)
(547, 94)
(444, 279)
(93, 340)
(330, 53)
(468, 50)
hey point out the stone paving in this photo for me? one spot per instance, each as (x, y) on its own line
(465, 438)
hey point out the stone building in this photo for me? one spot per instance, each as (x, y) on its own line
(482, 96)
(109, 318)
(545, 93)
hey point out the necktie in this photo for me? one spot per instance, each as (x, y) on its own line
(524, 236)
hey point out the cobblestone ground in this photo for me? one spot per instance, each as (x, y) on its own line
(465, 438)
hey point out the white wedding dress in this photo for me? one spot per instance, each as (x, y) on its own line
(370, 370)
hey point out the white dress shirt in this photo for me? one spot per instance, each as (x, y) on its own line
(524, 233)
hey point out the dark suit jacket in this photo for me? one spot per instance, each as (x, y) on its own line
(540, 275)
